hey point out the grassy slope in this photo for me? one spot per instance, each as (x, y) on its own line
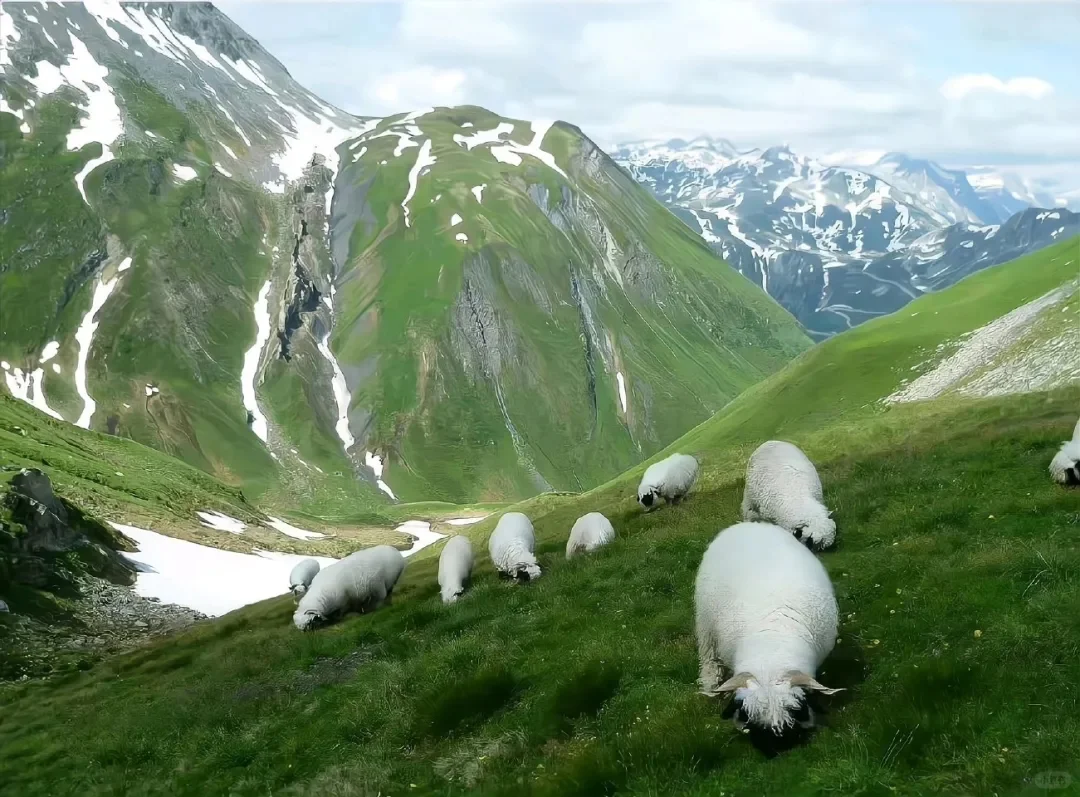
(180, 318)
(398, 293)
(584, 682)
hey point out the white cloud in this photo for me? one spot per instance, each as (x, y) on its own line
(823, 77)
(420, 86)
(960, 86)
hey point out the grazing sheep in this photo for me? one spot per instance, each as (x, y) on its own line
(1065, 466)
(765, 609)
(362, 581)
(511, 547)
(590, 532)
(782, 487)
(301, 576)
(455, 567)
(669, 479)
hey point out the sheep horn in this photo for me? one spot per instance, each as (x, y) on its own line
(802, 679)
(740, 681)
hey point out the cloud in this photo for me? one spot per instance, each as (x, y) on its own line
(419, 87)
(823, 77)
(960, 86)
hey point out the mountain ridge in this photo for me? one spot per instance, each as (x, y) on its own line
(284, 294)
(833, 243)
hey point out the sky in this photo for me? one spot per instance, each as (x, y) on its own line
(963, 83)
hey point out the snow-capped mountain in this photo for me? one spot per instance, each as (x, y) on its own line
(1009, 193)
(201, 255)
(807, 232)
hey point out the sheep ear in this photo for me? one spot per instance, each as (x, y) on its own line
(740, 681)
(802, 679)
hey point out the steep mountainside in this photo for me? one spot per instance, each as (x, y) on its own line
(202, 256)
(838, 245)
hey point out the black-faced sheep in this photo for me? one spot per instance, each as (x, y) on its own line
(361, 582)
(669, 479)
(782, 487)
(765, 609)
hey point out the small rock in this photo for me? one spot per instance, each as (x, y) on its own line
(978, 634)
(4, 608)
(140, 624)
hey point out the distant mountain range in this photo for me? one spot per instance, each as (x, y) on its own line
(837, 245)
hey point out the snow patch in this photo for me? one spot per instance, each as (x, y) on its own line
(183, 173)
(455, 220)
(342, 397)
(102, 121)
(374, 461)
(220, 522)
(622, 390)
(29, 388)
(50, 350)
(421, 531)
(222, 170)
(461, 238)
(511, 152)
(424, 159)
(292, 531)
(484, 136)
(84, 336)
(251, 361)
(478, 191)
(207, 579)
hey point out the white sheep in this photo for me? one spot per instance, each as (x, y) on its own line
(455, 567)
(590, 532)
(765, 610)
(782, 487)
(512, 545)
(1065, 466)
(301, 576)
(669, 479)
(362, 581)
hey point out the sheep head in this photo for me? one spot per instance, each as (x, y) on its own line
(776, 706)
(817, 532)
(649, 499)
(529, 572)
(308, 619)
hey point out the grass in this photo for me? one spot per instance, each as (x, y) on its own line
(583, 683)
(957, 573)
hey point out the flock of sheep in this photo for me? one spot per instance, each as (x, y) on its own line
(771, 626)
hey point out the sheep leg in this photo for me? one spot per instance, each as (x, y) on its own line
(380, 597)
(712, 671)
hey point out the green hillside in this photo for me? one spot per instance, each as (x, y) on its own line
(956, 571)
(492, 364)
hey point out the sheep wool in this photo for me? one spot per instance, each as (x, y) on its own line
(782, 487)
(455, 567)
(1065, 466)
(590, 532)
(669, 479)
(512, 547)
(362, 581)
(764, 609)
(301, 576)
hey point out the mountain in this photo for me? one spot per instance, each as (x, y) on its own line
(202, 256)
(1009, 193)
(836, 245)
(954, 574)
